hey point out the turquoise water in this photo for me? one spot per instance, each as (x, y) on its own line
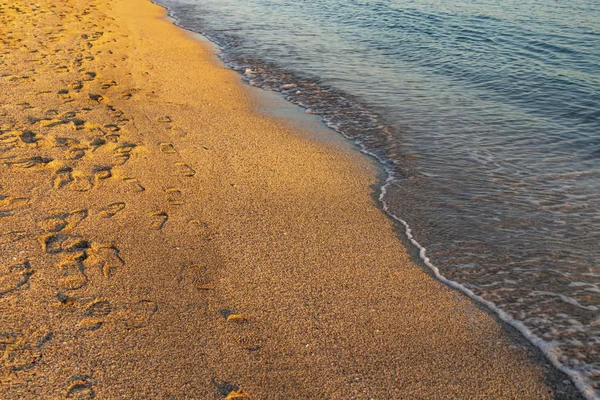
(486, 116)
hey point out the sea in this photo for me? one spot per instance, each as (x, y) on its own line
(485, 117)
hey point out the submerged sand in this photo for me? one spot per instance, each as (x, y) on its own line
(160, 238)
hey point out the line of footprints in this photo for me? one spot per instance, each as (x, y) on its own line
(81, 156)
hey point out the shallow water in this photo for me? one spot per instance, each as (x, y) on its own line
(486, 115)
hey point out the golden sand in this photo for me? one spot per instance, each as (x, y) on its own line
(160, 238)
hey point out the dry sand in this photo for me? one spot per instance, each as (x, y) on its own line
(160, 238)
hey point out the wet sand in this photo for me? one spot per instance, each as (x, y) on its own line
(161, 238)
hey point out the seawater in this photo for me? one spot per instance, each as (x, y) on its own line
(485, 115)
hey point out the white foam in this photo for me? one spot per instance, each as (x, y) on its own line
(566, 299)
(546, 348)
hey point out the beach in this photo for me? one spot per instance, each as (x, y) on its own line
(162, 238)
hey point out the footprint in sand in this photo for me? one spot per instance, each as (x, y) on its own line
(9, 204)
(195, 275)
(105, 258)
(114, 112)
(134, 184)
(62, 177)
(95, 314)
(13, 237)
(139, 315)
(111, 210)
(71, 273)
(95, 97)
(158, 220)
(58, 222)
(167, 148)
(80, 388)
(89, 76)
(108, 85)
(101, 173)
(96, 143)
(16, 278)
(112, 127)
(76, 86)
(29, 163)
(229, 391)
(201, 229)
(126, 95)
(55, 243)
(81, 182)
(22, 352)
(75, 153)
(232, 316)
(114, 138)
(122, 154)
(174, 196)
(122, 121)
(184, 169)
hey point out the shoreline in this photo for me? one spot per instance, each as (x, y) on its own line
(516, 329)
(193, 248)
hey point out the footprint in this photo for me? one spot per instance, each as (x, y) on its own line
(138, 315)
(158, 220)
(184, 169)
(17, 278)
(59, 243)
(232, 316)
(113, 138)
(8, 205)
(31, 162)
(13, 237)
(134, 184)
(77, 86)
(95, 97)
(6, 338)
(80, 388)
(89, 76)
(99, 307)
(52, 224)
(29, 137)
(60, 221)
(108, 85)
(229, 391)
(122, 121)
(174, 196)
(81, 182)
(75, 153)
(71, 275)
(237, 394)
(101, 173)
(167, 148)
(105, 258)
(96, 143)
(195, 275)
(95, 314)
(111, 210)
(122, 154)
(62, 177)
(23, 353)
(201, 229)
(112, 127)
(74, 218)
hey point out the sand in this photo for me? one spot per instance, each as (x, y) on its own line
(161, 238)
